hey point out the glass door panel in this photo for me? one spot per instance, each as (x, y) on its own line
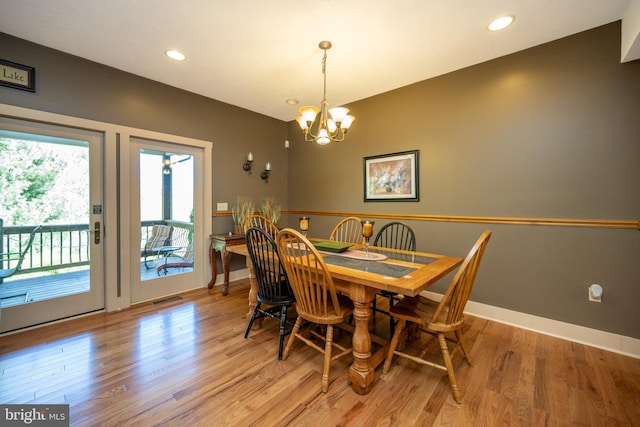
(50, 223)
(163, 206)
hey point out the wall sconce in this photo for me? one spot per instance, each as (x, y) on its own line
(265, 173)
(247, 165)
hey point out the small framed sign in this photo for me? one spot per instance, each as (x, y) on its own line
(392, 177)
(17, 76)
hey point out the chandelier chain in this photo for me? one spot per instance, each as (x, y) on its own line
(324, 74)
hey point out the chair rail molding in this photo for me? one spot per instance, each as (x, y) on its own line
(559, 222)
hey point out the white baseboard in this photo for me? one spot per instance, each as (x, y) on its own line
(233, 276)
(593, 337)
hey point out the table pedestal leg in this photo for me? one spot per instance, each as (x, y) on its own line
(362, 370)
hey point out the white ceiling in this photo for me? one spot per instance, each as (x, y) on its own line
(257, 53)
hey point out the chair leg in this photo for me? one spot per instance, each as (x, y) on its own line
(292, 337)
(393, 345)
(447, 361)
(465, 349)
(253, 318)
(283, 322)
(328, 346)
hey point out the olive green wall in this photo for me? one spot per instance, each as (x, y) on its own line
(550, 132)
(73, 86)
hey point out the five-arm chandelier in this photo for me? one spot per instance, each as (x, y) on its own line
(333, 123)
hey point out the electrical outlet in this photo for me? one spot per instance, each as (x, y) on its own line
(222, 207)
(595, 293)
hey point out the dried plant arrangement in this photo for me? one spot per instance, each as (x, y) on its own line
(270, 209)
(243, 209)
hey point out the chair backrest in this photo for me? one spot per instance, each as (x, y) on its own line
(16, 257)
(396, 235)
(310, 279)
(262, 222)
(160, 236)
(460, 288)
(348, 230)
(270, 275)
(12, 270)
(179, 237)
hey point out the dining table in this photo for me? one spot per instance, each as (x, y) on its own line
(361, 277)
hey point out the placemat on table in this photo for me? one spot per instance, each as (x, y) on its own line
(331, 246)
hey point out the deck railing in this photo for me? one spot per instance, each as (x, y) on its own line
(57, 247)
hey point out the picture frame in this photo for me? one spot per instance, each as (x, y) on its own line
(392, 177)
(17, 76)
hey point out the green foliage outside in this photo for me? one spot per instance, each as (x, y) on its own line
(43, 183)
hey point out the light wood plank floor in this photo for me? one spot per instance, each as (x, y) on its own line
(186, 363)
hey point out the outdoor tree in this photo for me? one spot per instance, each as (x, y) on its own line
(37, 186)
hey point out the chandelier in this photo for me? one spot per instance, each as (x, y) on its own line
(333, 123)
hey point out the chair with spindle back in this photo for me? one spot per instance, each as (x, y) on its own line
(348, 230)
(316, 298)
(438, 318)
(274, 292)
(263, 223)
(394, 235)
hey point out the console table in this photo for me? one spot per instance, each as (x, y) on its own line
(219, 243)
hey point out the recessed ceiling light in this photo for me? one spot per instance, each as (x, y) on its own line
(174, 54)
(292, 101)
(501, 23)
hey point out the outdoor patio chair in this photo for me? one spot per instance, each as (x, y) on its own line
(13, 260)
(180, 258)
(160, 236)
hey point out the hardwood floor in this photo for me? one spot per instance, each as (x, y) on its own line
(185, 363)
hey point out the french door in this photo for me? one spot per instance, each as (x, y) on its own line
(166, 220)
(51, 177)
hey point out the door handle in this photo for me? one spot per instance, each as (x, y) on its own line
(96, 232)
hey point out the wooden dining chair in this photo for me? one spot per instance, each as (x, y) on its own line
(394, 235)
(440, 318)
(348, 230)
(263, 223)
(317, 301)
(274, 291)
